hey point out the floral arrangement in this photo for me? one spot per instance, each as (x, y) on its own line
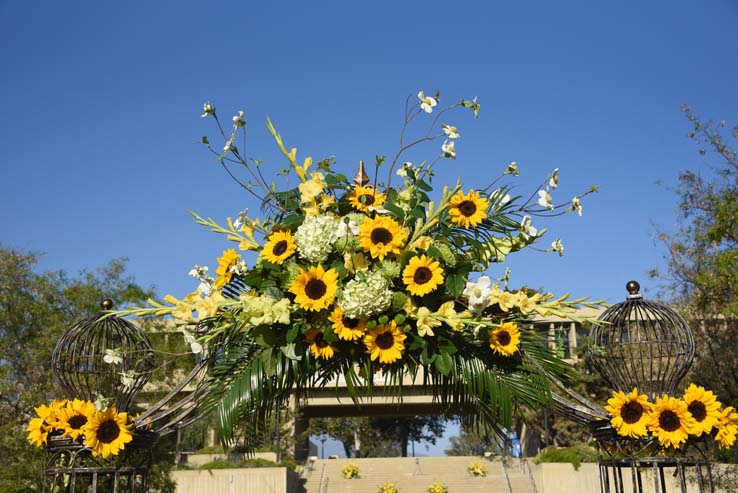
(350, 471)
(388, 488)
(673, 422)
(476, 468)
(104, 432)
(437, 487)
(352, 278)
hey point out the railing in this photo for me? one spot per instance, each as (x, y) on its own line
(323, 488)
(503, 464)
(524, 465)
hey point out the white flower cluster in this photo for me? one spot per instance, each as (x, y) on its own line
(315, 237)
(365, 295)
(207, 283)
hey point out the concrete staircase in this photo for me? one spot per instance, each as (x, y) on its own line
(410, 477)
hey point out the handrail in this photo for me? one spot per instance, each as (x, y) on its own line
(531, 481)
(504, 472)
(323, 488)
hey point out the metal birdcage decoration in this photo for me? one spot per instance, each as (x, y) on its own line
(108, 360)
(648, 346)
(106, 357)
(642, 344)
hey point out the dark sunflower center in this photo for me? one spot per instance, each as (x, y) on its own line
(631, 412)
(467, 208)
(669, 421)
(319, 341)
(349, 323)
(279, 248)
(385, 340)
(422, 275)
(315, 289)
(108, 431)
(503, 338)
(698, 410)
(381, 235)
(366, 199)
(77, 422)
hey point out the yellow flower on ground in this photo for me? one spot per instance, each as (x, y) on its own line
(315, 288)
(505, 339)
(225, 263)
(437, 487)
(74, 417)
(670, 421)
(381, 236)
(319, 348)
(704, 408)
(107, 432)
(348, 329)
(468, 210)
(388, 488)
(350, 471)
(422, 275)
(279, 247)
(362, 198)
(630, 413)
(476, 468)
(727, 427)
(385, 342)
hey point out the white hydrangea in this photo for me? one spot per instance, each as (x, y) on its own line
(365, 295)
(315, 237)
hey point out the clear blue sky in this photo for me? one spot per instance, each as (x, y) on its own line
(101, 104)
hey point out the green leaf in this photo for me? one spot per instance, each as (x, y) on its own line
(424, 186)
(265, 336)
(293, 332)
(444, 363)
(455, 284)
(289, 351)
(396, 211)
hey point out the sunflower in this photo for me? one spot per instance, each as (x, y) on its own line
(670, 421)
(315, 288)
(364, 197)
(630, 413)
(74, 417)
(279, 246)
(704, 407)
(40, 427)
(348, 329)
(468, 210)
(381, 236)
(727, 427)
(318, 347)
(385, 342)
(505, 339)
(107, 432)
(422, 275)
(225, 264)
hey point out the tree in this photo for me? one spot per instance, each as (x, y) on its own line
(384, 436)
(35, 310)
(701, 277)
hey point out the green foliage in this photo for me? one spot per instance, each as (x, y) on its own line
(35, 310)
(574, 455)
(384, 436)
(702, 261)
